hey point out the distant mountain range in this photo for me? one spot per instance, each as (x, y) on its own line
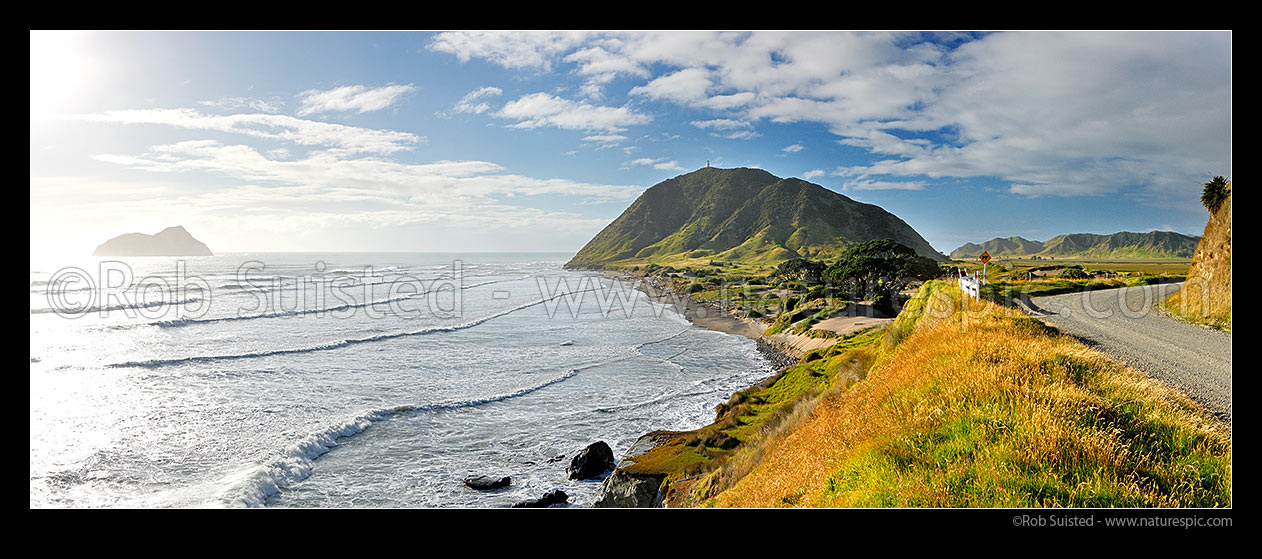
(172, 241)
(743, 214)
(1153, 244)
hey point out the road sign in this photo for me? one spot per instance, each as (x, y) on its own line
(985, 257)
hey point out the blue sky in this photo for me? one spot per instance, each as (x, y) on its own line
(485, 141)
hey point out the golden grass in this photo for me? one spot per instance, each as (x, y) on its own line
(980, 406)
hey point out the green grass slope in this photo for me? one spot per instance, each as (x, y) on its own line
(970, 404)
(742, 214)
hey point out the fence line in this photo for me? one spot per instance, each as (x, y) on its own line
(971, 284)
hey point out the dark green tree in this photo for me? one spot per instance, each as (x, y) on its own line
(1215, 193)
(1074, 272)
(879, 269)
(801, 269)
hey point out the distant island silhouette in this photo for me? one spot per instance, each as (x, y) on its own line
(172, 241)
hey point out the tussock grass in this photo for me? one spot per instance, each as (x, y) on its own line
(969, 404)
(752, 416)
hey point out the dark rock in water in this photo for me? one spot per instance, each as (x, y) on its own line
(172, 241)
(624, 490)
(557, 458)
(594, 460)
(552, 497)
(487, 483)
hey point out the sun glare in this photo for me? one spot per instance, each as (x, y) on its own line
(56, 70)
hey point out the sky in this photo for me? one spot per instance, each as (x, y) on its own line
(460, 141)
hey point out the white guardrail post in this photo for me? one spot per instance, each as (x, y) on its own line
(971, 284)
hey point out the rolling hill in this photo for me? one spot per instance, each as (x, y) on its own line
(742, 214)
(1153, 244)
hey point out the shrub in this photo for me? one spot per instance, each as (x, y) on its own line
(790, 303)
(1073, 272)
(1215, 193)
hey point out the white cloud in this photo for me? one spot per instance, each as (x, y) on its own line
(294, 217)
(543, 109)
(233, 103)
(686, 86)
(606, 140)
(661, 164)
(325, 170)
(329, 197)
(473, 102)
(882, 185)
(722, 124)
(733, 126)
(812, 174)
(1067, 113)
(793, 148)
(1071, 114)
(739, 135)
(516, 49)
(601, 67)
(350, 139)
(351, 98)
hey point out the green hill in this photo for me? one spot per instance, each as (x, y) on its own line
(1153, 244)
(742, 214)
(997, 247)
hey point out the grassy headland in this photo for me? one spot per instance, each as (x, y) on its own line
(954, 403)
(746, 215)
(977, 403)
(965, 403)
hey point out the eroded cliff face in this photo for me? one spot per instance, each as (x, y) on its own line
(1206, 294)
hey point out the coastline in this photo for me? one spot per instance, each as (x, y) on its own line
(710, 317)
(622, 489)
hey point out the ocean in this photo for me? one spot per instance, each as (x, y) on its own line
(351, 379)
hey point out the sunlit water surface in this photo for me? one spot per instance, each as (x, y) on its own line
(350, 379)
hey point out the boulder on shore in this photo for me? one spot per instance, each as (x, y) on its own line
(487, 483)
(623, 490)
(552, 497)
(594, 460)
(626, 490)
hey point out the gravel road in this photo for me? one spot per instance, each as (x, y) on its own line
(1124, 323)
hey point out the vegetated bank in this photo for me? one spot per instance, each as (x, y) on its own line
(1206, 295)
(986, 407)
(967, 403)
(956, 403)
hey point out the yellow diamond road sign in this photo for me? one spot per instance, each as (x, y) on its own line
(985, 257)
